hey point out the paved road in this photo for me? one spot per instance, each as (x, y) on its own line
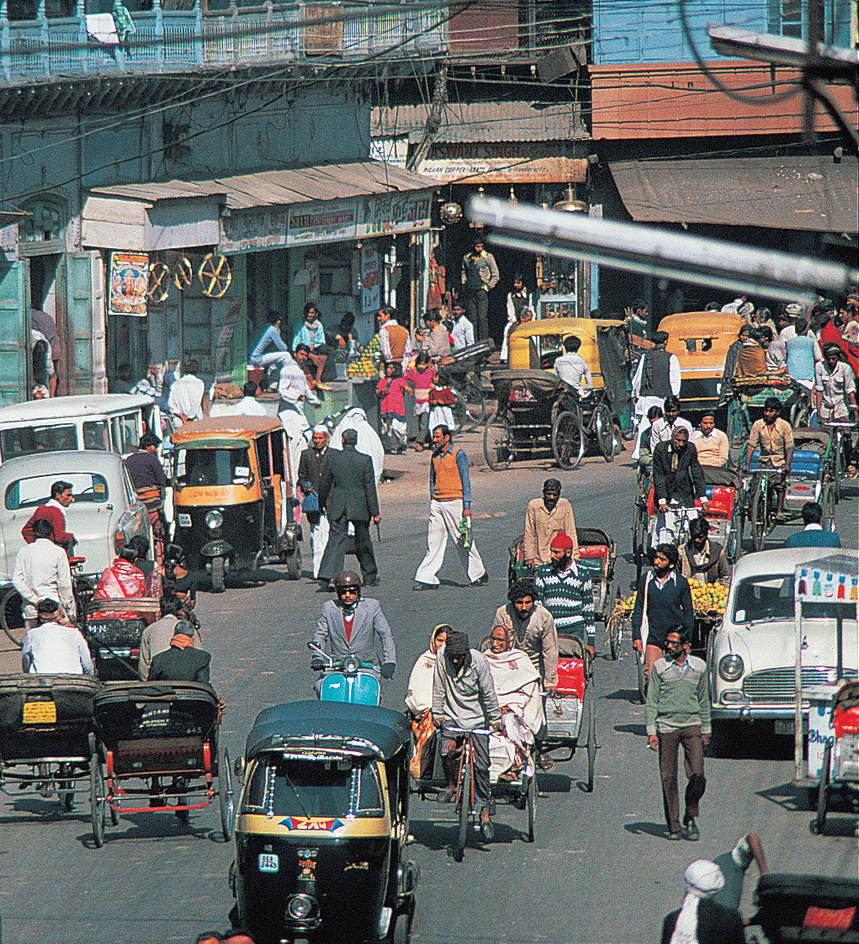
(599, 871)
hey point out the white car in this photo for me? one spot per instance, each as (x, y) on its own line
(751, 657)
(104, 515)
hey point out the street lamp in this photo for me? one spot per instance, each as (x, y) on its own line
(661, 253)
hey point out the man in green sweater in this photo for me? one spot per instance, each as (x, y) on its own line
(678, 712)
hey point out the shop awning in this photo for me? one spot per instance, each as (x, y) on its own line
(179, 214)
(799, 193)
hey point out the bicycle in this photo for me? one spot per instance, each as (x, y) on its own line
(761, 513)
(840, 429)
(584, 418)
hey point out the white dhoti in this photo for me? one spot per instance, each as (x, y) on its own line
(443, 523)
(318, 542)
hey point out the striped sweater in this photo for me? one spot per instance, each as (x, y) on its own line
(569, 597)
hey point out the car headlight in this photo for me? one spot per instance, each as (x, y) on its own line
(731, 667)
(214, 519)
(300, 907)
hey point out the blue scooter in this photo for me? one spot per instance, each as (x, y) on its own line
(347, 680)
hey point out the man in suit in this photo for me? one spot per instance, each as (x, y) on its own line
(347, 493)
(813, 534)
(351, 626)
(181, 662)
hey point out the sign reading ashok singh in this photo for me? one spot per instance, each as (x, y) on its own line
(503, 162)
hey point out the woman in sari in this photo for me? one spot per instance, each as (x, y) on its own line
(517, 685)
(419, 703)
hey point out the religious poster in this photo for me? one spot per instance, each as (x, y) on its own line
(129, 275)
(370, 288)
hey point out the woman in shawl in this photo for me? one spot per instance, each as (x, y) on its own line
(419, 703)
(517, 685)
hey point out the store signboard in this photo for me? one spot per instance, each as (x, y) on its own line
(393, 213)
(129, 277)
(370, 279)
(327, 222)
(505, 162)
(260, 228)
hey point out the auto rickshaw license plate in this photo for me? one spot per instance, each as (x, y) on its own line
(40, 712)
(784, 726)
(269, 862)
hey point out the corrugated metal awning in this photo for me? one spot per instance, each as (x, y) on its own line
(484, 121)
(280, 187)
(799, 193)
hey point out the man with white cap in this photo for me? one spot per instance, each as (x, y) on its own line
(701, 920)
(311, 465)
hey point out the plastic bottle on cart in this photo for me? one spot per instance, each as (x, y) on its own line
(854, 588)
(815, 587)
(829, 587)
(842, 587)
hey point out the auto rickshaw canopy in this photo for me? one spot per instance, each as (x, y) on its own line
(226, 427)
(362, 730)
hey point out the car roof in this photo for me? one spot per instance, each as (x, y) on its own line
(60, 464)
(783, 560)
(366, 730)
(66, 407)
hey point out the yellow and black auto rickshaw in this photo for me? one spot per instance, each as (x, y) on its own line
(323, 825)
(233, 496)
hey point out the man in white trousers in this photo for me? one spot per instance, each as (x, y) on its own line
(450, 504)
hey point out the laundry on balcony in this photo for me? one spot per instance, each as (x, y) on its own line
(102, 28)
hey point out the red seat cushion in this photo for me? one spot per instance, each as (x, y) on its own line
(722, 502)
(571, 677)
(594, 551)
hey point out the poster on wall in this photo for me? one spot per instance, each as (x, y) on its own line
(129, 273)
(370, 289)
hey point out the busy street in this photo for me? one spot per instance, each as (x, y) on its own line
(599, 870)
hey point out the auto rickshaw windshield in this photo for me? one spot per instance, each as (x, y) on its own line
(207, 466)
(293, 787)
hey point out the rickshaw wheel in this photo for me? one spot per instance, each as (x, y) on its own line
(605, 432)
(568, 441)
(758, 518)
(591, 747)
(218, 574)
(532, 806)
(12, 617)
(464, 811)
(226, 797)
(469, 407)
(97, 799)
(293, 564)
(823, 792)
(498, 443)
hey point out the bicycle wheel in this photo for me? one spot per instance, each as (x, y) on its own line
(568, 441)
(470, 410)
(604, 428)
(464, 810)
(591, 747)
(799, 413)
(498, 443)
(532, 806)
(837, 471)
(739, 427)
(758, 518)
(98, 800)
(12, 617)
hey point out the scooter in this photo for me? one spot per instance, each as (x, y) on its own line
(346, 680)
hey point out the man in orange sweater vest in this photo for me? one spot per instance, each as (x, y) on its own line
(450, 502)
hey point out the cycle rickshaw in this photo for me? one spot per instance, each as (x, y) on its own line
(47, 739)
(839, 772)
(464, 368)
(748, 396)
(149, 732)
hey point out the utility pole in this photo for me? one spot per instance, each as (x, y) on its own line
(436, 112)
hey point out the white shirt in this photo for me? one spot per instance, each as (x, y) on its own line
(674, 377)
(660, 431)
(292, 383)
(463, 333)
(53, 649)
(186, 397)
(248, 406)
(42, 572)
(574, 371)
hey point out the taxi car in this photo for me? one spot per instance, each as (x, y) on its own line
(751, 656)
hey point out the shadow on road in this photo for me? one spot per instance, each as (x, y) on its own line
(659, 830)
(788, 797)
(638, 729)
(624, 694)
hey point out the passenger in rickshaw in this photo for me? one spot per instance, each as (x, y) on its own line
(518, 688)
(123, 580)
(463, 696)
(661, 429)
(181, 662)
(773, 352)
(567, 593)
(751, 358)
(773, 436)
(702, 559)
(572, 369)
(419, 703)
(678, 480)
(710, 443)
(42, 572)
(54, 648)
(523, 316)
(731, 363)
(544, 518)
(642, 453)
(156, 637)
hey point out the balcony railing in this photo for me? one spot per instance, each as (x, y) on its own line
(167, 40)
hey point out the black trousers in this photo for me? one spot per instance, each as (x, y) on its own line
(477, 309)
(335, 550)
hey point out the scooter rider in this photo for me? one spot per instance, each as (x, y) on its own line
(351, 625)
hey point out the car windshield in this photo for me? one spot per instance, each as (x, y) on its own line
(314, 788)
(27, 440)
(36, 490)
(768, 598)
(207, 466)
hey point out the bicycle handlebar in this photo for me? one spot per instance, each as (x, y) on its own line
(467, 731)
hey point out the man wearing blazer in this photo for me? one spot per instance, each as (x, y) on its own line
(347, 492)
(352, 626)
(181, 662)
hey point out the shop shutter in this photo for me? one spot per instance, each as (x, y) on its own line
(14, 332)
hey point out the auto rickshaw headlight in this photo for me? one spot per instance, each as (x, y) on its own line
(731, 667)
(214, 519)
(300, 907)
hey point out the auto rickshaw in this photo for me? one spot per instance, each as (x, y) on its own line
(323, 824)
(233, 494)
(701, 339)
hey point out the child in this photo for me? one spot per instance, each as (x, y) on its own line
(390, 391)
(421, 378)
(441, 399)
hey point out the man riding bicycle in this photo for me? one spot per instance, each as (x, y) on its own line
(774, 437)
